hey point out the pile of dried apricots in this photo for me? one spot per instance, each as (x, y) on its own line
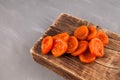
(87, 42)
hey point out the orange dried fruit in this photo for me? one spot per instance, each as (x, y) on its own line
(81, 32)
(46, 44)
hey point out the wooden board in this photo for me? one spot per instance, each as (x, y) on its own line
(105, 68)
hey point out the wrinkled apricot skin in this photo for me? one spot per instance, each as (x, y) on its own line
(46, 44)
(92, 32)
(81, 32)
(82, 46)
(87, 57)
(103, 37)
(72, 44)
(96, 47)
(64, 36)
(59, 47)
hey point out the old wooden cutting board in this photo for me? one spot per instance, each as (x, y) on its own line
(105, 68)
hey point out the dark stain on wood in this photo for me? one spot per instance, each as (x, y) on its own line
(106, 68)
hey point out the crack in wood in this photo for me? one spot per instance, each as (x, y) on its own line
(107, 66)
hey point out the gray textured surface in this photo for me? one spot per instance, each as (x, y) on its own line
(22, 22)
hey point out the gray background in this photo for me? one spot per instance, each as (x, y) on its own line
(22, 22)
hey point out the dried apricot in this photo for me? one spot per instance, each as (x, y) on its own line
(81, 32)
(103, 37)
(72, 44)
(96, 47)
(82, 46)
(64, 36)
(46, 44)
(92, 32)
(87, 57)
(59, 47)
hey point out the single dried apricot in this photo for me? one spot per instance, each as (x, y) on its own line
(72, 44)
(96, 47)
(59, 47)
(46, 44)
(103, 37)
(87, 57)
(82, 46)
(81, 32)
(92, 32)
(64, 36)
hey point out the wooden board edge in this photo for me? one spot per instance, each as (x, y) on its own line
(51, 66)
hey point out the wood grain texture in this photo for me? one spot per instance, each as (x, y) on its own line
(105, 68)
